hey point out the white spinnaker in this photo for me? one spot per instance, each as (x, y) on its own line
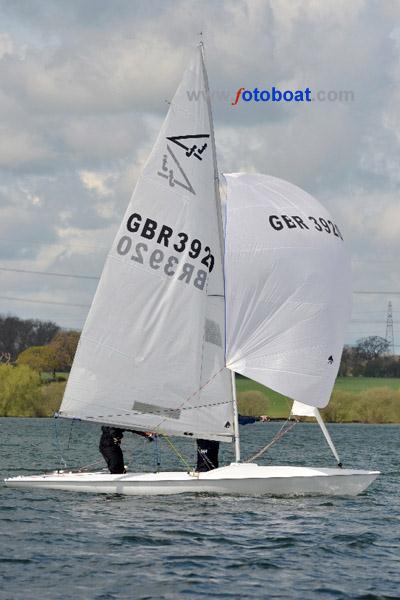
(287, 287)
(151, 354)
(303, 410)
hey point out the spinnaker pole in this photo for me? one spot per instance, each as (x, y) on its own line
(327, 437)
(235, 419)
(300, 409)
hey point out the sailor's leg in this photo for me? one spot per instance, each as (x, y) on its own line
(207, 455)
(114, 459)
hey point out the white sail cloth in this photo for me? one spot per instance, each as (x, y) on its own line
(303, 410)
(287, 287)
(151, 355)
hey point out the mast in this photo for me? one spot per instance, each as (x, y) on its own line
(222, 244)
(214, 155)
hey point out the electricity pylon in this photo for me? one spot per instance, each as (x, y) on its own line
(389, 330)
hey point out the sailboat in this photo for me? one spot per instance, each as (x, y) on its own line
(209, 276)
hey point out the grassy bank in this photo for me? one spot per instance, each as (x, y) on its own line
(361, 399)
(44, 402)
(52, 394)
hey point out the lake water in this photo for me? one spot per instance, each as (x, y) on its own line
(64, 545)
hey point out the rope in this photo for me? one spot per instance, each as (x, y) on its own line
(157, 454)
(181, 407)
(70, 434)
(276, 438)
(177, 452)
(58, 445)
(85, 467)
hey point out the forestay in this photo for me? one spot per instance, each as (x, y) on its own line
(151, 355)
(287, 287)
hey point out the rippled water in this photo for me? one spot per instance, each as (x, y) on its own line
(61, 545)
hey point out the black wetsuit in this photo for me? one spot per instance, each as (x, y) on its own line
(110, 447)
(207, 455)
(207, 450)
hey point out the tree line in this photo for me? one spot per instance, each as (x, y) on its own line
(44, 347)
(18, 334)
(369, 358)
(40, 345)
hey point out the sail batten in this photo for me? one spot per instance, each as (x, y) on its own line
(152, 347)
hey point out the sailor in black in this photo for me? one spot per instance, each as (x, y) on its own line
(110, 447)
(207, 450)
(207, 455)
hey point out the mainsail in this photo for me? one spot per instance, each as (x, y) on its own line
(152, 351)
(287, 287)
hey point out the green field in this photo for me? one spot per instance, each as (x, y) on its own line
(354, 399)
(362, 384)
(49, 377)
(254, 399)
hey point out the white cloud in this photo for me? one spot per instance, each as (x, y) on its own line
(388, 225)
(96, 181)
(82, 96)
(6, 44)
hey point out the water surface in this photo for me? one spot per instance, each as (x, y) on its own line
(62, 545)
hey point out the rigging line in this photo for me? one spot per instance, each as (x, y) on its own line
(157, 454)
(50, 273)
(368, 312)
(60, 244)
(123, 412)
(70, 433)
(58, 445)
(383, 293)
(177, 452)
(375, 322)
(14, 299)
(203, 346)
(181, 406)
(374, 260)
(282, 431)
(85, 467)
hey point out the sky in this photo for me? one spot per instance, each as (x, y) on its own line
(84, 87)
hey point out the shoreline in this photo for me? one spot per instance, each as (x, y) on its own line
(354, 400)
(308, 420)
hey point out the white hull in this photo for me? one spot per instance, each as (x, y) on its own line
(235, 479)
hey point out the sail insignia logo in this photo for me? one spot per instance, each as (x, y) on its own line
(171, 169)
(168, 171)
(195, 149)
(330, 360)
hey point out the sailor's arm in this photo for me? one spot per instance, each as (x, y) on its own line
(245, 420)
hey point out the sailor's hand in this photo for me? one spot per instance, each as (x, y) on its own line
(147, 434)
(264, 418)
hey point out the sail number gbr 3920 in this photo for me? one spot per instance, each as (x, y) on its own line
(157, 259)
